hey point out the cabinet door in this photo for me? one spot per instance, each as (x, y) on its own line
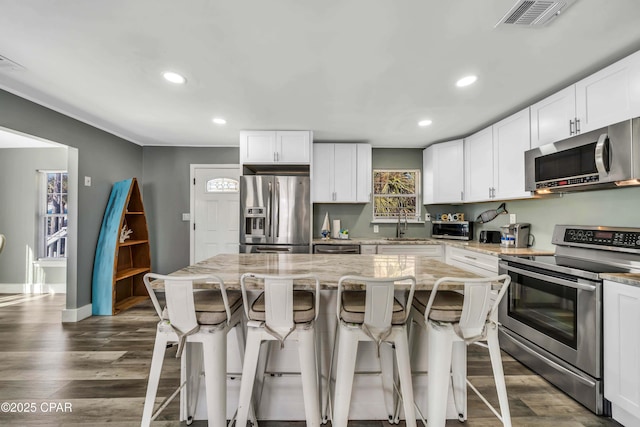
(622, 347)
(448, 175)
(257, 147)
(323, 171)
(364, 175)
(511, 139)
(428, 175)
(551, 118)
(610, 95)
(293, 147)
(478, 166)
(345, 172)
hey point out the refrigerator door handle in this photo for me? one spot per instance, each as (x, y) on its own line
(269, 209)
(276, 209)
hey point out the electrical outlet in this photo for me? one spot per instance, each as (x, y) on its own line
(427, 217)
(186, 217)
(87, 181)
(512, 218)
(376, 228)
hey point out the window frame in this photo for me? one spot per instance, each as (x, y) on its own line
(415, 218)
(43, 216)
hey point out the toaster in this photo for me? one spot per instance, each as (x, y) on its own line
(489, 236)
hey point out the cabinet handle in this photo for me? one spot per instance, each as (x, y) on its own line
(577, 126)
(489, 192)
(461, 195)
(470, 257)
(274, 156)
(571, 131)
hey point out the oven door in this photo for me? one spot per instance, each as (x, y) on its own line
(560, 313)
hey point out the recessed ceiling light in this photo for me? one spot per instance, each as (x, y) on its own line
(424, 123)
(172, 77)
(466, 81)
(219, 121)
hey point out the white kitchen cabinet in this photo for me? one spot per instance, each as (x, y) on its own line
(494, 160)
(608, 96)
(275, 147)
(341, 173)
(443, 172)
(622, 351)
(483, 264)
(431, 251)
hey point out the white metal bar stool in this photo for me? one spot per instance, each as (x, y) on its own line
(200, 316)
(453, 321)
(281, 313)
(372, 315)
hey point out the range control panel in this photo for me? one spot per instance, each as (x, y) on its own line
(620, 239)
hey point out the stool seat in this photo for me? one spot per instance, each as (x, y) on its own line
(303, 307)
(353, 307)
(447, 305)
(209, 305)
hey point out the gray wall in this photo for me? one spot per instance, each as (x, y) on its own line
(101, 155)
(614, 207)
(19, 193)
(166, 192)
(357, 217)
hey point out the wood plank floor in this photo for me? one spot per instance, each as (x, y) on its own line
(98, 368)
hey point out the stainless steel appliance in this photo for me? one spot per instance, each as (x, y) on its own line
(552, 315)
(458, 230)
(275, 214)
(489, 236)
(605, 157)
(515, 235)
(336, 249)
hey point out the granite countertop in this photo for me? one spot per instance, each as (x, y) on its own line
(632, 279)
(328, 268)
(486, 248)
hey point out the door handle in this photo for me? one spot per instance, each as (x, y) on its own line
(277, 209)
(550, 279)
(602, 149)
(269, 209)
(577, 126)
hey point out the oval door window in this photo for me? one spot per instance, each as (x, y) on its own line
(223, 185)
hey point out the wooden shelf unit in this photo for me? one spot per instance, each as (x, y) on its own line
(119, 267)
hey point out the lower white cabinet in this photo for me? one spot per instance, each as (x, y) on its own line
(433, 251)
(622, 351)
(475, 262)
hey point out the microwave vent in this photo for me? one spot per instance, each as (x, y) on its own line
(534, 13)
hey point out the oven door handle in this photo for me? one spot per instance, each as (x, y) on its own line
(550, 362)
(557, 281)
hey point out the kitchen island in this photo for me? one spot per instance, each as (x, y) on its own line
(282, 389)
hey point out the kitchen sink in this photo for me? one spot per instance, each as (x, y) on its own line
(404, 239)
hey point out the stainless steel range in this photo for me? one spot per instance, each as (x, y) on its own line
(552, 315)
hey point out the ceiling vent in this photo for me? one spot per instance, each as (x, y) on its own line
(7, 64)
(534, 13)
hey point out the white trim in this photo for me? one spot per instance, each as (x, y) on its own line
(51, 262)
(33, 288)
(71, 315)
(192, 200)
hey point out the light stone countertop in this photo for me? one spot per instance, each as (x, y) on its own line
(328, 268)
(632, 279)
(486, 248)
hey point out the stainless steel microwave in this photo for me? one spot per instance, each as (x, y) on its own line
(605, 157)
(458, 230)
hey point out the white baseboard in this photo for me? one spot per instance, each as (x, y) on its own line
(24, 288)
(76, 314)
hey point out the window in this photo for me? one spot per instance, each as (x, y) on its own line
(53, 218)
(395, 193)
(223, 185)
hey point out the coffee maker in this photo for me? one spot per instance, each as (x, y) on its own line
(515, 235)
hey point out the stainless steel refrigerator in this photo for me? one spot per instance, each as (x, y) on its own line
(275, 214)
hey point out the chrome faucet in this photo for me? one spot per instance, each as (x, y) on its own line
(399, 231)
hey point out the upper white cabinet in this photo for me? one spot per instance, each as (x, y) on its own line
(494, 160)
(443, 172)
(270, 147)
(341, 173)
(609, 96)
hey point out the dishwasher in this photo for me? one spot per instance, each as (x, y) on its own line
(336, 249)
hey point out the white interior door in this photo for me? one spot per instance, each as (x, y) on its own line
(215, 210)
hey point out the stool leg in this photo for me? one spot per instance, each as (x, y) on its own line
(327, 404)
(439, 367)
(404, 372)
(309, 374)
(459, 378)
(248, 375)
(214, 351)
(498, 374)
(345, 369)
(154, 378)
(386, 369)
(240, 338)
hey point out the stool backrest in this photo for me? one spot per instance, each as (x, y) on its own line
(481, 300)
(2, 241)
(179, 298)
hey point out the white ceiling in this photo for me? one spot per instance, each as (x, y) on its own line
(350, 70)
